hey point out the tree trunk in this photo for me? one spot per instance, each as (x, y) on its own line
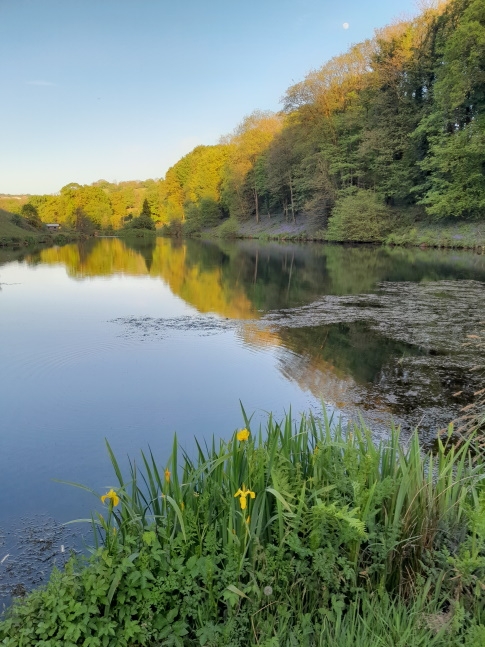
(256, 205)
(256, 267)
(291, 198)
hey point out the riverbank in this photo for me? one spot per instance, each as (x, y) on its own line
(307, 534)
(15, 233)
(451, 235)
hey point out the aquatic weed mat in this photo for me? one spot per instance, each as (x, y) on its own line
(141, 328)
(432, 318)
(29, 549)
(434, 315)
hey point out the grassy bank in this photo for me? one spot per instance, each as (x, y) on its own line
(16, 232)
(411, 232)
(300, 535)
(451, 235)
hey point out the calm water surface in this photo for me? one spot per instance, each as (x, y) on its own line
(132, 342)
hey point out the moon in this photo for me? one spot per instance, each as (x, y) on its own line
(346, 25)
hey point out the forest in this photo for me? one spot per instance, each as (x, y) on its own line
(385, 135)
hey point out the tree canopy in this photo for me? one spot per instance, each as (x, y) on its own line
(398, 120)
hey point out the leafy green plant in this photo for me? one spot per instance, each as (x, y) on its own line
(228, 229)
(304, 533)
(359, 215)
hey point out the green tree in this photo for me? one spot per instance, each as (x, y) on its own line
(248, 142)
(31, 215)
(146, 211)
(82, 222)
(455, 128)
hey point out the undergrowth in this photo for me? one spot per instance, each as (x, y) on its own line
(303, 534)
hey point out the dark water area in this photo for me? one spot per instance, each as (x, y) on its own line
(133, 341)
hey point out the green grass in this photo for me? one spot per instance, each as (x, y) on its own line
(11, 233)
(337, 541)
(449, 235)
(16, 232)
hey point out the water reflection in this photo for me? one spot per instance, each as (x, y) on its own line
(270, 276)
(348, 364)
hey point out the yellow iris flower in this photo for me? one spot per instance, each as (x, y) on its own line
(167, 475)
(243, 496)
(112, 496)
(243, 435)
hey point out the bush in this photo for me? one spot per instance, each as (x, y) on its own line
(31, 215)
(359, 215)
(228, 229)
(142, 222)
(210, 212)
(174, 228)
(17, 220)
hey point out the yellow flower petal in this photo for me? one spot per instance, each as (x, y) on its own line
(167, 475)
(243, 494)
(243, 435)
(112, 496)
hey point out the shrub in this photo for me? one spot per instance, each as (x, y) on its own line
(359, 215)
(31, 215)
(228, 229)
(17, 220)
(142, 222)
(173, 228)
(206, 213)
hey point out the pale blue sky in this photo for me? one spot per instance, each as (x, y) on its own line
(121, 89)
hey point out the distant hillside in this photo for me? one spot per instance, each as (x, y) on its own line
(12, 203)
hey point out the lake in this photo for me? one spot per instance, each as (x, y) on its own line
(133, 341)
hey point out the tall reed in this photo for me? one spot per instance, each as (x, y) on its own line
(382, 507)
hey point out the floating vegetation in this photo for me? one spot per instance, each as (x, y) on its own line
(156, 328)
(435, 316)
(470, 424)
(28, 552)
(425, 322)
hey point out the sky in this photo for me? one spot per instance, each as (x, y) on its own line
(122, 89)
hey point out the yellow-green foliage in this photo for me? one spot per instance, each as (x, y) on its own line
(193, 181)
(359, 216)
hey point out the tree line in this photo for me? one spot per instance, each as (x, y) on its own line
(389, 132)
